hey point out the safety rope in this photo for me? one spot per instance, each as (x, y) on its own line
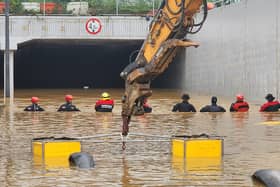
(96, 136)
(127, 141)
(202, 135)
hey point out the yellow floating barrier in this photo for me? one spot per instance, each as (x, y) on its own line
(270, 123)
(197, 153)
(197, 165)
(54, 152)
(197, 146)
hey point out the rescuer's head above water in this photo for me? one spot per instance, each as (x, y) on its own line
(68, 98)
(34, 107)
(34, 100)
(68, 106)
(240, 97)
(105, 103)
(214, 100)
(271, 105)
(184, 106)
(185, 97)
(269, 97)
(105, 96)
(239, 105)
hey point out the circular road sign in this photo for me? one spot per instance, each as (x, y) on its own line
(93, 26)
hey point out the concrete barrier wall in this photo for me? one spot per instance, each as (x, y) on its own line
(24, 28)
(239, 51)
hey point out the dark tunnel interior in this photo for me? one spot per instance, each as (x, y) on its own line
(78, 63)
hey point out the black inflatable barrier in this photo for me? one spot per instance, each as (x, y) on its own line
(81, 160)
(268, 177)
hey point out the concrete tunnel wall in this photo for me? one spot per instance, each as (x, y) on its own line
(1, 69)
(239, 51)
(78, 63)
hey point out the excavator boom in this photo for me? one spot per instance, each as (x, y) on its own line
(167, 32)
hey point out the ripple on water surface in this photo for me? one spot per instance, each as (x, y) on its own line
(250, 142)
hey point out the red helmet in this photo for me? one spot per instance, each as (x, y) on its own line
(68, 97)
(239, 97)
(34, 99)
(145, 100)
(210, 5)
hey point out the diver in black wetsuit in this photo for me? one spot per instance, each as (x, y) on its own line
(213, 107)
(184, 106)
(34, 107)
(68, 106)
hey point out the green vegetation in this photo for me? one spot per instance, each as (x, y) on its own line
(15, 6)
(99, 7)
(219, 3)
(139, 7)
(102, 6)
(124, 6)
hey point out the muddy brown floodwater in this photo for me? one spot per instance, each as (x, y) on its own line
(251, 142)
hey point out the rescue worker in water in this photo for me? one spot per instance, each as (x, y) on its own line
(68, 106)
(105, 103)
(34, 106)
(213, 107)
(270, 105)
(146, 106)
(240, 105)
(141, 107)
(184, 106)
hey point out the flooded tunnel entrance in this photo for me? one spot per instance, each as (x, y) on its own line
(72, 63)
(78, 63)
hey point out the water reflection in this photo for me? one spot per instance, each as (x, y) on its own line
(247, 143)
(240, 118)
(105, 120)
(205, 166)
(127, 179)
(270, 118)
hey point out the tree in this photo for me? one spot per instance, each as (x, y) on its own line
(16, 7)
(103, 6)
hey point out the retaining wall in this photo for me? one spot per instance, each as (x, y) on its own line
(239, 51)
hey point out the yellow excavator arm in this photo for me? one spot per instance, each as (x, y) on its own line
(167, 32)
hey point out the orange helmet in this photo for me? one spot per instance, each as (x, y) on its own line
(68, 98)
(239, 97)
(34, 99)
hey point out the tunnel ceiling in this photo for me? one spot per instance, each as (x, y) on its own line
(78, 63)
